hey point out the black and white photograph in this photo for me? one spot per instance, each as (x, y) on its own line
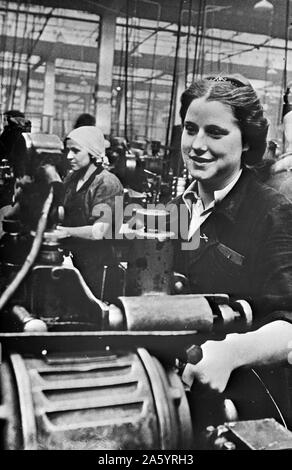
(146, 230)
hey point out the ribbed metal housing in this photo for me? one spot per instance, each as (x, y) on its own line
(100, 400)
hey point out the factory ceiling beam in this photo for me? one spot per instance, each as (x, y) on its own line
(253, 72)
(83, 53)
(69, 80)
(232, 15)
(46, 50)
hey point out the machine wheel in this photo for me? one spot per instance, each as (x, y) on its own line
(109, 400)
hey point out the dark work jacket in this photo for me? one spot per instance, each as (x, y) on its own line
(245, 249)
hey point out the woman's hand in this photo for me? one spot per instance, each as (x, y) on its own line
(267, 346)
(62, 232)
(214, 369)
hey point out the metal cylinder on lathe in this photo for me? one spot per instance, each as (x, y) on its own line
(165, 312)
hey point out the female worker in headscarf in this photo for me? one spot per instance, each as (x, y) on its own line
(92, 196)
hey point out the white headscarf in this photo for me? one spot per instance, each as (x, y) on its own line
(91, 139)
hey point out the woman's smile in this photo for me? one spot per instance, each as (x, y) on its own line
(201, 160)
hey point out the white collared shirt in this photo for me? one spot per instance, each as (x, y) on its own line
(197, 211)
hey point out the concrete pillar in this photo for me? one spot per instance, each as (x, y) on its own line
(104, 74)
(87, 103)
(49, 97)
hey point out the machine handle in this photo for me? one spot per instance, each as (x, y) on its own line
(25, 321)
(193, 355)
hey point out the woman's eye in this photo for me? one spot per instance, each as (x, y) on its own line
(216, 133)
(190, 128)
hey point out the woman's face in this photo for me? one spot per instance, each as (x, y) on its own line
(77, 155)
(211, 143)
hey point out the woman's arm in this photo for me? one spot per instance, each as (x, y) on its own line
(106, 200)
(270, 344)
(96, 231)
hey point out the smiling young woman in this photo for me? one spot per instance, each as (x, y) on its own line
(246, 247)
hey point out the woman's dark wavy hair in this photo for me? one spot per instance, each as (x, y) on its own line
(246, 107)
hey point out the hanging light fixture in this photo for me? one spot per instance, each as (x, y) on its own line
(271, 71)
(263, 5)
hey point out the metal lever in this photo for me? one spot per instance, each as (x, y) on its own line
(193, 355)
